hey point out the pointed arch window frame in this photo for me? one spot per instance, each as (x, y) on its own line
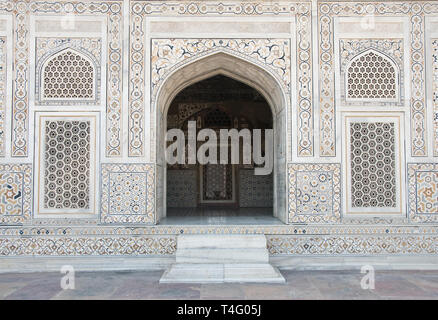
(397, 70)
(39, 79)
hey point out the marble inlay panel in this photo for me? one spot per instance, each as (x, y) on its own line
(314, 193)
(128, 194)
(435, 94)
(423, 192)
(3, 85)
(15, 193)
(416, 12)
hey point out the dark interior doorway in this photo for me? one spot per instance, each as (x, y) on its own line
(214, 190)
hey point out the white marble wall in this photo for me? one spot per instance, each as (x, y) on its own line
(301, 77)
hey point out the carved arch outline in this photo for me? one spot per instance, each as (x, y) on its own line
(237, 68)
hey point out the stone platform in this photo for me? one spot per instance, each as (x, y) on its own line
(222, 259)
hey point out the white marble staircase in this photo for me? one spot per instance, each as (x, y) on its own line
(221, 259)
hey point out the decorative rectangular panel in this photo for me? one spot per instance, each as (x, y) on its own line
(15, 193)
(96, 245)
(415, 11)
(353, 245)
(423, 192)
(67, 164)
(372, 164)
(314, 193)
(435, 95)
(67, 161)
(128, 194)
(2, 96)
(20, 96)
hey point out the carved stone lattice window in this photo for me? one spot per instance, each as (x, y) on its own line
(217, 182)
(371, 75)
(373, 164)
(67, 165)
(68, 75)
(217, 118)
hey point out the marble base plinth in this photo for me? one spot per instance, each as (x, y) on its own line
(221, 259)
(222, 273)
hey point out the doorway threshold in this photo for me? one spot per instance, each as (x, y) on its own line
(220, 216)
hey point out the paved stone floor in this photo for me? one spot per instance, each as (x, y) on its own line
(144, 285)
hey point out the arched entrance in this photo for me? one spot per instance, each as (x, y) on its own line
(215, 104)
(223, 66)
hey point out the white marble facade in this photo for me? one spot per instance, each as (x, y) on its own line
(84, 92)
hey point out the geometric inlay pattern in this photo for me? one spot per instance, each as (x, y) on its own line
(128, 193)
(67, 164)
(372, 153)
(371, 76)
(2, 95)
(15, 193)
(20, 96)
(122, 245)
(10, 193)
(435, 94)
(130, 245)
(170, 54)
(68, 75)
(182, 189)
(255, 190)
(352, 244)
(423, 192)
(366, 82)
(22, 12)
(217, 118)
(416, 11)
(299, 11)
(217, 182)
(68, 71)
(314, 193)
(427, 192)
(97, 245)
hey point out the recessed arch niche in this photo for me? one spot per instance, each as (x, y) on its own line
(237, 68)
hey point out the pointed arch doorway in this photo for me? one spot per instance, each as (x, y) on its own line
(219, 103)
(221, 91)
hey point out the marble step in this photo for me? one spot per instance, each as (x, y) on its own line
(221, 259)
(222, 255)
(229, 241)
(222, 273)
